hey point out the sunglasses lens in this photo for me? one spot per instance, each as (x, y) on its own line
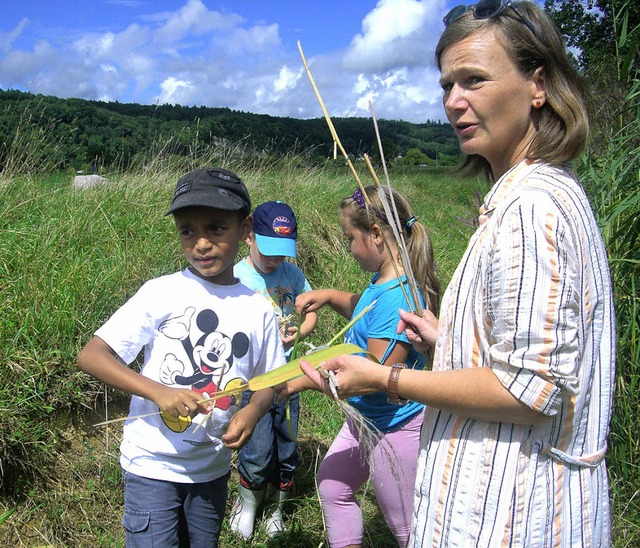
(454, 14)
(486, 9)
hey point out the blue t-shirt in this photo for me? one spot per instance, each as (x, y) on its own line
(380, 323)
(280, 287)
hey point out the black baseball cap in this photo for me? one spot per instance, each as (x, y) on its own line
(211, 187)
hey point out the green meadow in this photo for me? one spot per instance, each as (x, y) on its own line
(70, 257)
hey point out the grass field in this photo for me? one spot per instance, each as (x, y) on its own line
(69, 258)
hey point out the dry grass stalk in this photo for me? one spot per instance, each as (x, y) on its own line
(396, 224)
(336, 140)
(396, 228)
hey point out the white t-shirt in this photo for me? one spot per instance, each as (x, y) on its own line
(199, 336)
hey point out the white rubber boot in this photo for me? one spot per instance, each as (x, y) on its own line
(273, 520)
(243, 511)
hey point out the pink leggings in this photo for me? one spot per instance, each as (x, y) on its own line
(392, 471)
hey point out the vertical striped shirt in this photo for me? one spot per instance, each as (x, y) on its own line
(532, 299)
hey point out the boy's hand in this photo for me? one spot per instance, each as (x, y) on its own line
(289, 336)
(180, 402)
(241, 427)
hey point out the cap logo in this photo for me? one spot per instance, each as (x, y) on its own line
(281, 225)
(184, 187)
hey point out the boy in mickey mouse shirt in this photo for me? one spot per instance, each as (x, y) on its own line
(176, 463)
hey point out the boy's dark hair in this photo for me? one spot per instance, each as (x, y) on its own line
(211, 187)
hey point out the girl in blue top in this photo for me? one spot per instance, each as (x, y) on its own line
(391, 465)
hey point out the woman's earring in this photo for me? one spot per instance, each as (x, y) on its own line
(538, 103)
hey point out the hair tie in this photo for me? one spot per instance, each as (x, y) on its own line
(358, 197)
(410, 222)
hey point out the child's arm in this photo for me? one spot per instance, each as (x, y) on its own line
(399, 354)
(308, 324)
(244, 421)
(290, 388)
(342, 302)
(101, 362)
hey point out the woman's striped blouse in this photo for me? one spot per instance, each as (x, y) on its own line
(531, 299)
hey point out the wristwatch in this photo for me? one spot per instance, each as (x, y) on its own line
(392, 384)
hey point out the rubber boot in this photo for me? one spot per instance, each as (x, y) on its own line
(243, 511)
(273, 519)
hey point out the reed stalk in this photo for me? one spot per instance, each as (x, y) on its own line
(403, 259)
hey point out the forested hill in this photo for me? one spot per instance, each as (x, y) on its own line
(87, 133)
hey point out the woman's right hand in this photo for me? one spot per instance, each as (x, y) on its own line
(422, 332)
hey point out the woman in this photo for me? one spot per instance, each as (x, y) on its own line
(519, 402)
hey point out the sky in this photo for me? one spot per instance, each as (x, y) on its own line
(240, 54)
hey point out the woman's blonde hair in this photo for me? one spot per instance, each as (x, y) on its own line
(415, 234)
(563, 121)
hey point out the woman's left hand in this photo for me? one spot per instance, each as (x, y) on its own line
(422, 331)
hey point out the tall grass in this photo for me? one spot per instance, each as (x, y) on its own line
(612, 178)
(613, 181)
(26, 148)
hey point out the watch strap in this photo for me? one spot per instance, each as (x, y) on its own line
(392, 384)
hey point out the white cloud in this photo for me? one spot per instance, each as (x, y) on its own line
(286, 79)
(193, 17)
(19, 66)
(7, 39)
(199, 56)
(173, 89)
(259, 39)
(396, 33)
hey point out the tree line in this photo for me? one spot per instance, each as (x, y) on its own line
(86, 134)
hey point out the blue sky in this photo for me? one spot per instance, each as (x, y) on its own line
(240, 54)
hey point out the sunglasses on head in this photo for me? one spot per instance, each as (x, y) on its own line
(486, 9)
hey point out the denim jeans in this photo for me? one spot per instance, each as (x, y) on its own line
(270, 456)
(168, 514)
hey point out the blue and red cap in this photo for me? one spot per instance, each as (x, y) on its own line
(275, 229)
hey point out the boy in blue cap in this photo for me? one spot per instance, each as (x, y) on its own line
(267, 463)
(175, 449)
